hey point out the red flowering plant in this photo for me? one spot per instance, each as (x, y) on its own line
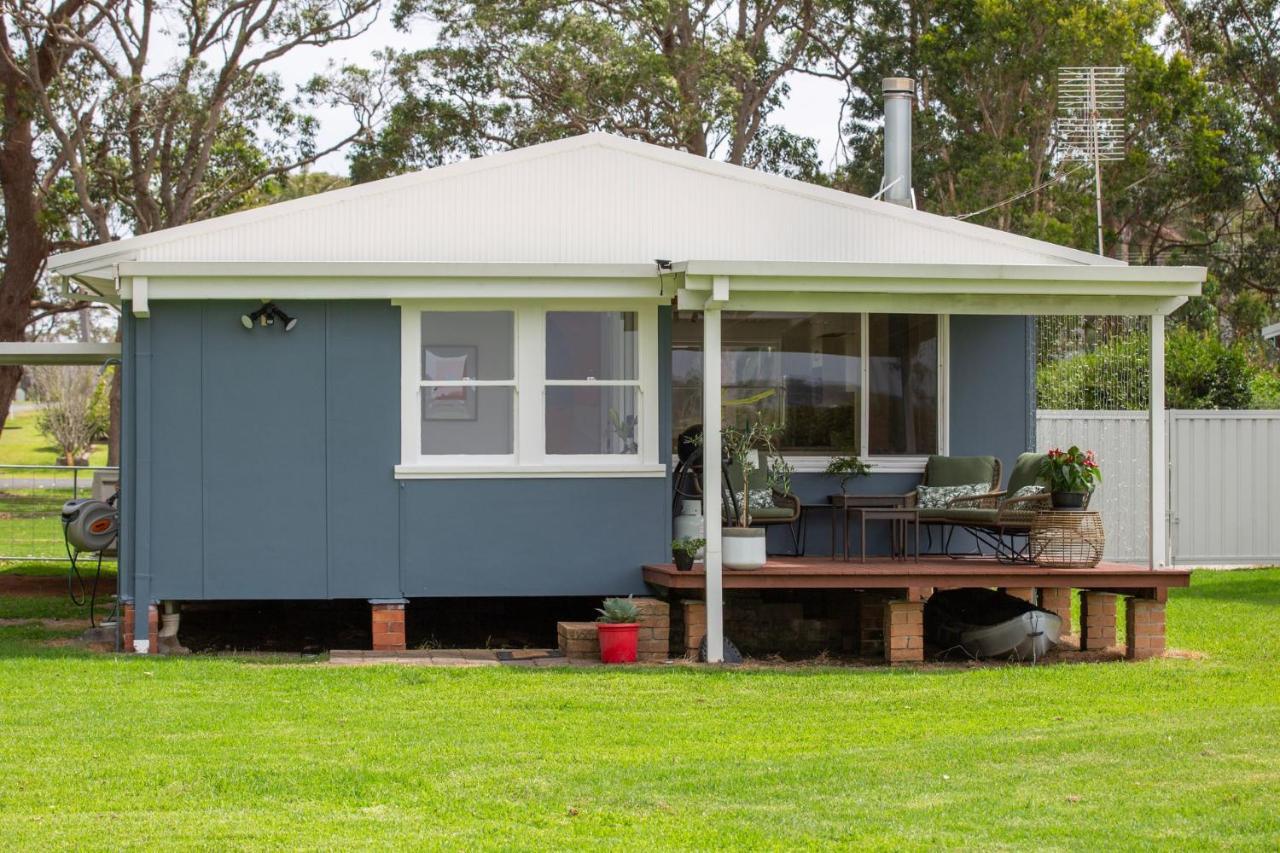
(1072, 470)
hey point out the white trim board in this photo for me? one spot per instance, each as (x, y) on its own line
(24, 352)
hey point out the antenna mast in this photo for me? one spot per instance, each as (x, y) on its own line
(1091, 121)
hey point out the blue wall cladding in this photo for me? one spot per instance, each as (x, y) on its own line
(273, 477)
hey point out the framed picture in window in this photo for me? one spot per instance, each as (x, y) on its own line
(449, 364)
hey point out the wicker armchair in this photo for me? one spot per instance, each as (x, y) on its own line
(958, 471)
(785, 508)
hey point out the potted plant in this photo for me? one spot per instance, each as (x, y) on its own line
(618, 628)
(685, 552)
(846, 468)
(1072, 474)
(744, 546)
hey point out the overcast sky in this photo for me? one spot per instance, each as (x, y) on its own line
(812, 108)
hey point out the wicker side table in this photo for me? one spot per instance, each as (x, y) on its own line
(1061, 539)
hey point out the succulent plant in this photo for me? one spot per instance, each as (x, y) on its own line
(618, 610)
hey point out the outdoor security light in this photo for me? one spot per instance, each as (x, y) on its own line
(267, 316)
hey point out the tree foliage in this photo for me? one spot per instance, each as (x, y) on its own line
(703, 77)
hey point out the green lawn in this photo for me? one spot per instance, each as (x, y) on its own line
(101, 751)
(22, 444)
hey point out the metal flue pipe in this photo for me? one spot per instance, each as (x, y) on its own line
(899, 94)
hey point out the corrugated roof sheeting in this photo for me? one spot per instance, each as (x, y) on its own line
(602, 200)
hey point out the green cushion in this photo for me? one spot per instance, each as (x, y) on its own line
(959, 470)
(1026, 472)
(771, 512)
(965, 515)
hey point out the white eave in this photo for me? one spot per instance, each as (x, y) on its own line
(938, 288)
(57, 353)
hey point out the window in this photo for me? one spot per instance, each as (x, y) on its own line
(592, 384)
(468, 383)
(529, 389)
(808, 372)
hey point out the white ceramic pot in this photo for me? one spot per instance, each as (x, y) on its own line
(689, 524)
(743, 547)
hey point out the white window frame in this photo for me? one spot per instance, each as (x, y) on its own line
(530, 458)
(888, 464)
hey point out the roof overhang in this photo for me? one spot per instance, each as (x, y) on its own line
(1011, 289)
(937, 288)
(57, 353)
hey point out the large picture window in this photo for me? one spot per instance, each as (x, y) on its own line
(529, 388)
(835, 383)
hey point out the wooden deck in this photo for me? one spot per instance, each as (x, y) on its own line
(929, 573)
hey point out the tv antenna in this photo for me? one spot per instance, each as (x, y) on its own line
(1091, 121)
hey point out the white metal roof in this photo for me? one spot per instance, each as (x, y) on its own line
(592, 199)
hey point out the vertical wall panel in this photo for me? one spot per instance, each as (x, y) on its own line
(264, 455)
(362, 405)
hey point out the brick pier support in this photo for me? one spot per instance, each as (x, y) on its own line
(1026, 593)
(654, 640)
(904, 631)
(126, 627)
(1144, 628)
(1097, 621)
(695, 626)
(153, 630)
(870, 624)
(388, 624)
(1057, 600)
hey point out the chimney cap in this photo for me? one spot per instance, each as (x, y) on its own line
(898, 86)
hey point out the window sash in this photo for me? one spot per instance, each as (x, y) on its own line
(816, 462)
(529, 408)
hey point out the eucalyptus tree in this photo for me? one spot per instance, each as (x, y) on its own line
(128, 116)
(706, 77)
(986, 147)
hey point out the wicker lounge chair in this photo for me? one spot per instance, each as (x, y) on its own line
(784, 508)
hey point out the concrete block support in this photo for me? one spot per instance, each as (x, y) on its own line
(903, 631)
(1097, 620)
(578, 640)
(695, 626)
(388, 625)
(1057, 599)
(1144, 629)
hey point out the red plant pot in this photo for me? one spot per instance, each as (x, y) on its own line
(618, 641)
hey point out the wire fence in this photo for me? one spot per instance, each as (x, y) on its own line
(31, 499)
(1097, 363)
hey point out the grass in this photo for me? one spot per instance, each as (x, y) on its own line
(102, 751)
(22, 444)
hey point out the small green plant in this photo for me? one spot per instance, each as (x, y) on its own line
(688, 547)
(846, 468)
(741, 445)
(618, 611)
(1071, 470)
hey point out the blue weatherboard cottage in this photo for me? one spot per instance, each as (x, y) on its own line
(466, 381)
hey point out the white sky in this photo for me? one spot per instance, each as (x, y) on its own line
(812, 108)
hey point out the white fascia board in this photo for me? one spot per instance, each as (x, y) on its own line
(57, 353)
(1271, 332)
(382, 269)
(806, 271)
(1019, 304)
(253, 280)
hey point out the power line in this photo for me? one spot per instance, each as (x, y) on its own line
(1022, 194)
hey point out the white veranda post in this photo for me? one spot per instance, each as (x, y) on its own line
(1159, 464)
(711, 486)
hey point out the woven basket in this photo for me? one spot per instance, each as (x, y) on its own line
(1067, 539)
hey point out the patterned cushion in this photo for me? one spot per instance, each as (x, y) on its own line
(760, 499)
(1026, 492)
(934, 497)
